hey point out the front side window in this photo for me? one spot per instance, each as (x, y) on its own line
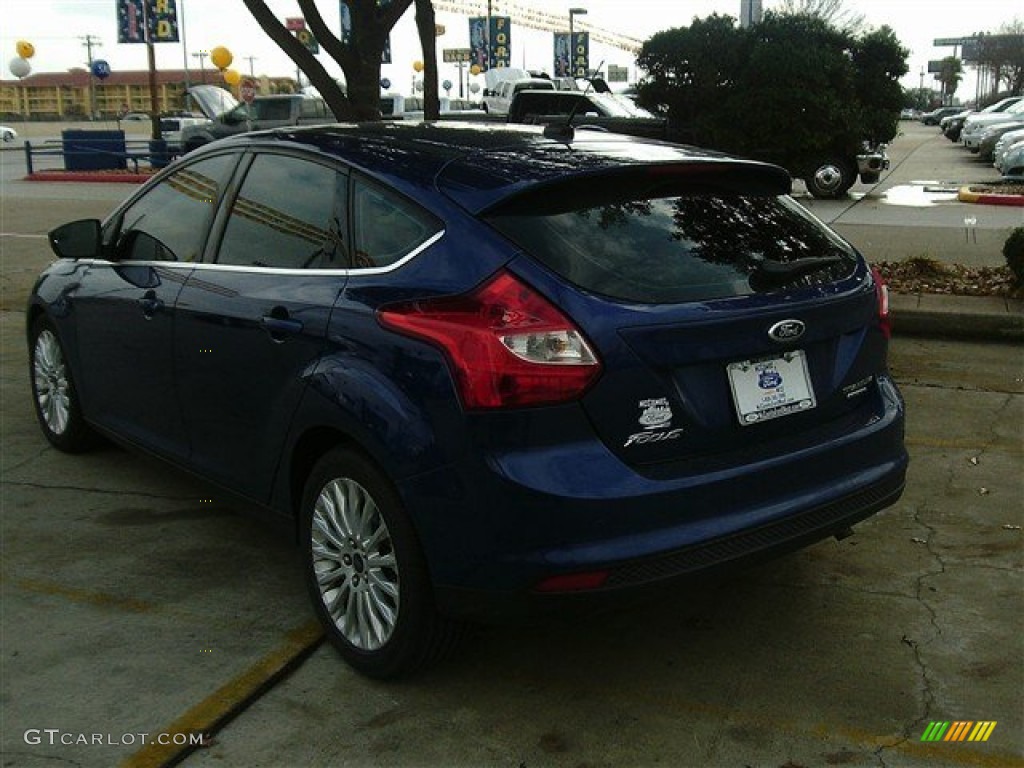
(387, 227)
(691, 247)
(170, 222)
(289, 214)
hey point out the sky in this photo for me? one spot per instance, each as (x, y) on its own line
(57, 29)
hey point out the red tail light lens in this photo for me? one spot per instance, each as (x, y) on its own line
(882, 294)
(507, 345)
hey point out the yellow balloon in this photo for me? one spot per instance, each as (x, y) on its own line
(231, 76)
(221, 57)
(475, 69)
(417, 65)
(25, 49)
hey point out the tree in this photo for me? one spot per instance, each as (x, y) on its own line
(950, 74)
(359, 57)
(791, 89)
(1003, 55)
(832, 12)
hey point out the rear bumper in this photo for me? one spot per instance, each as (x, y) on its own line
(493, 530)
(684, 567)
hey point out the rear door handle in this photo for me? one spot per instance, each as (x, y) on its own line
(150, 304)
(279, 325)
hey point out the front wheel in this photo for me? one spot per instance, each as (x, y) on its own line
(365, 571)
(831, 178)
(53, 391)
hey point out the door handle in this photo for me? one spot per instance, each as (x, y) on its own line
(150, 304)
(279, 325)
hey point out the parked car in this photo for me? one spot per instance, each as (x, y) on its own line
(8, 134)
(1013, 162)
(936, 115)
(497, 101)
(227, 116)
(952, 126)
(172, 126)
(976, 124)
(604, 111)
(990, 136)
(476, 371)
(1004, 144)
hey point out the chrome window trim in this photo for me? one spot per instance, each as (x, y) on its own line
(204, 266)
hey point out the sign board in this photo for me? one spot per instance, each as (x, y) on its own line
(247, 90)
(306, 38)
(162, 16)
(294, 24)
(945, 42)
(455, 55)
(934, 66)
(617, 74)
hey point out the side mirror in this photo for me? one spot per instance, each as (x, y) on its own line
(77, 240)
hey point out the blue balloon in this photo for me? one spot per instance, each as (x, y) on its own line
(101, 69)
(385, 83)
(447, 85)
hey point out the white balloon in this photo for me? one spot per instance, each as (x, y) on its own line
(20, 67)
(474, 87)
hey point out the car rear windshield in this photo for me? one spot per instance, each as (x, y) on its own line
(690, 247)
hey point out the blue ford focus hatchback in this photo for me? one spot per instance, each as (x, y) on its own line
(480, 370)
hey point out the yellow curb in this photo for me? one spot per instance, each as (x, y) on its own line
(965, 195)
(222, 705)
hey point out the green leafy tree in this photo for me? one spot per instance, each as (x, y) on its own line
(359, 58)
(950, 74)
(788, 89)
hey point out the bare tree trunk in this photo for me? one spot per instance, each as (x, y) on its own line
(426, 27)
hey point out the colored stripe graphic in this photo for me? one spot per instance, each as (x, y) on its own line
(958, 730)
(934, 731)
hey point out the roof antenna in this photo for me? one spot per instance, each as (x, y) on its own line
(566, 132)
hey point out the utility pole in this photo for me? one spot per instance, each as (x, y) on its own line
(89, 41)
(251, 59)
(201, 55)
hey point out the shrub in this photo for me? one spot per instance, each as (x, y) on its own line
(1013, 251)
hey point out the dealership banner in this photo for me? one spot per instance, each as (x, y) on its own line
(500, 39)
(163, 21)
(562, 55)
(581, 54)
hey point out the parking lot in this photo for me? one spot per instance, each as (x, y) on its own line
(141, 612)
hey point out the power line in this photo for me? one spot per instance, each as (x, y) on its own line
(532, 18)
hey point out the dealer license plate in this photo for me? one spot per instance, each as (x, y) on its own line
(771, 387)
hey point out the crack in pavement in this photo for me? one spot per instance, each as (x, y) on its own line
(105, 491)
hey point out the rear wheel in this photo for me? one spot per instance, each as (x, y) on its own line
(831, 178)
(365, 571)
(53, 391)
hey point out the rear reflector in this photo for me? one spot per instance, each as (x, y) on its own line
(882, 294)
(508, 346)
(573, 582)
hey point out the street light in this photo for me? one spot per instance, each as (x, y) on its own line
(201, 55)
(573, 13)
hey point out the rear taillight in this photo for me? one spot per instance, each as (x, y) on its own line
(882, 295)
(507, 345)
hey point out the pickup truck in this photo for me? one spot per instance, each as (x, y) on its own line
(830, 176)
(603, 111)
(227, 116)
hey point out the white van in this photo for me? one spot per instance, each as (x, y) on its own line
(497, 101)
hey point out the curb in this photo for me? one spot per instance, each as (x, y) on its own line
(966, 195)
(958, 317)
(94, 178)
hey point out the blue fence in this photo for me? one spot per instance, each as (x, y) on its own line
(91, 150)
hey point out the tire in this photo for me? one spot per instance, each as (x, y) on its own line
(365, 572)
(54, 394)
(831, 179)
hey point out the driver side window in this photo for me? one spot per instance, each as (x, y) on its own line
(170, 222)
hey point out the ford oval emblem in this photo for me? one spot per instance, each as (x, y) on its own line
(786, 330)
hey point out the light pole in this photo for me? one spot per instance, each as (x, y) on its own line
(573, 13)
(201, 55)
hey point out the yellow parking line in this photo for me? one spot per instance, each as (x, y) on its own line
(222, 705)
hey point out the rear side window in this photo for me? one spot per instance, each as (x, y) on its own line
(387, 227)
(289, 214)
(692, 247)
(273, 109)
